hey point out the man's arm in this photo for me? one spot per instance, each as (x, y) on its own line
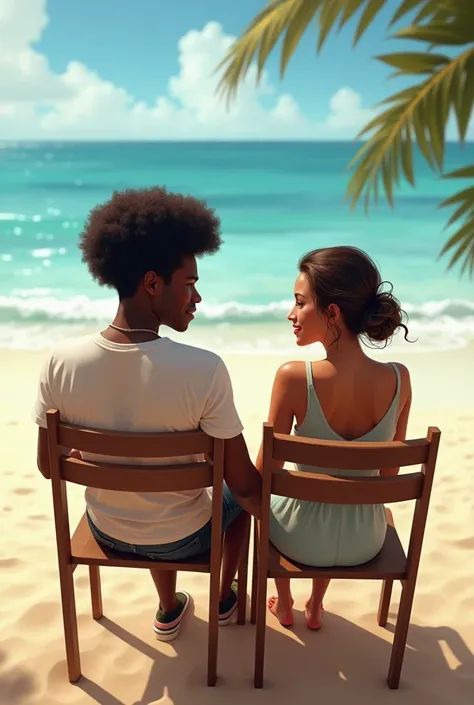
(241, 475)
(219, 419)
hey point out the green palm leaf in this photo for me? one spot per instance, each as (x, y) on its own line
(289, 19)
(462, 240)
(418, 114)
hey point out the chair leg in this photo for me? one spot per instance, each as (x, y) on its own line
(242, 582)
(253, 598)
(68, 604)
(400, 636)
(96, 592)
(384, 604)
(261, 626)
(213, 628)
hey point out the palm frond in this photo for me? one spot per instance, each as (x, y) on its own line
(289, 19)
(461, 243)
(416, 115)
(420, 112)
(439, 32)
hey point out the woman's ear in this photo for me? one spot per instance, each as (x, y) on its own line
(334, 312)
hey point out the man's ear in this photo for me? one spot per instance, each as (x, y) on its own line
(152, 283)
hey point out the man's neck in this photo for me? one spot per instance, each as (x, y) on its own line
(141, 326)
(129, 315)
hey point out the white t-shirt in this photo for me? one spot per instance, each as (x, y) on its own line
(146, 387)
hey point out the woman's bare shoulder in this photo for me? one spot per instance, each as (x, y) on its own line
(292, 371)
(404, 373)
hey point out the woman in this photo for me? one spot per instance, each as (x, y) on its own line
(348, 396)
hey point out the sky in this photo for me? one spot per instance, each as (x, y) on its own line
(145, 69)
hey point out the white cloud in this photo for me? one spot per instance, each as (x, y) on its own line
(37, 103)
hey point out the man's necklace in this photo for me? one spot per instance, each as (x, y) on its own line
(133, 330)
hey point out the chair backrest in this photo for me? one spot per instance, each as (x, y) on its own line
(130, 478)
(352, 456)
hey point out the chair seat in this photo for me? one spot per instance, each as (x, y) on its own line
(85, 550)
(389, 564)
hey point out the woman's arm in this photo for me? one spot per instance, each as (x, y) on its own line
(281, 405)
(401, 432)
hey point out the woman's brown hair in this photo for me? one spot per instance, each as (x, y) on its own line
(347, 277)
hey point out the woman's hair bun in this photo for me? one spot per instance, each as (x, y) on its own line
(383, 317)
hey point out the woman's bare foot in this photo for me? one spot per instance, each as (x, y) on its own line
(314, 615)
(285, 615)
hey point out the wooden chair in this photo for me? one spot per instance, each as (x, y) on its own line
(83, 549)
(390, 564)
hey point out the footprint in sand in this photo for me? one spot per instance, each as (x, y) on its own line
(23, 490)
(6, 509)
(9, 562)
(467, 542)
(40, 616)
(38, 517)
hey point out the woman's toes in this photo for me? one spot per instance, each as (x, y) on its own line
(284, 616)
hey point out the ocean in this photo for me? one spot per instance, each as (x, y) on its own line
(276, 201)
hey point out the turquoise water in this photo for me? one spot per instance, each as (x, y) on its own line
(276, 201)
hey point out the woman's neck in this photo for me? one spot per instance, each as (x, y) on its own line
(343, 349)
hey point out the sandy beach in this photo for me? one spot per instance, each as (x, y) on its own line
(348, 659)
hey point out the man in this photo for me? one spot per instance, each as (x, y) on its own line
(144, 244)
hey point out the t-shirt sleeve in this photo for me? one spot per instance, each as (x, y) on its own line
(44, 400)
(219, 417)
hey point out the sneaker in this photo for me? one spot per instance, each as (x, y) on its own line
(167, 624)
(228, 607)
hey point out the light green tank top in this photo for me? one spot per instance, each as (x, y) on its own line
(332, 534)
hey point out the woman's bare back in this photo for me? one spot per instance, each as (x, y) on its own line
(354, 396)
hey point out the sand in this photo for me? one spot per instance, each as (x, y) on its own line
(346, 661)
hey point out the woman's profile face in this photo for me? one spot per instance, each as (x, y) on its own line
(309, 324)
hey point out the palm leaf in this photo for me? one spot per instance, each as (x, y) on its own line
(413, 62)
(370, 13)
(461, 243)
(406, 7)
(440, 33)
(419, 113)
(289, 19)
(423, 110)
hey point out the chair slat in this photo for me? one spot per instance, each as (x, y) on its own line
(341, 490)
(350, 455)
(131, 478)
(134, 445)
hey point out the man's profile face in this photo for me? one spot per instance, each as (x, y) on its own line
(179, 298)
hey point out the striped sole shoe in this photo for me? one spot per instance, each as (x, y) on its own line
(228, 615)
(167, 631)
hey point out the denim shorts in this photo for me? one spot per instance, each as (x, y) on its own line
(199, 542)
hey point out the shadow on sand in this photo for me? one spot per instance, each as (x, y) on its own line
(343, 661)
